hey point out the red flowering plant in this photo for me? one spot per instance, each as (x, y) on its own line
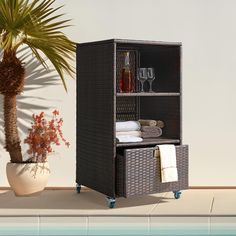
(42, 135)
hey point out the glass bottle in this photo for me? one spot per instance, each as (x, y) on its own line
(126, 81)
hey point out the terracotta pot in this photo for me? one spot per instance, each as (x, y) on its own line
(27, 178)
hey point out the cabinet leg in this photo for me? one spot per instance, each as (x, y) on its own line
(78, 187)
(177, 194)
(111, 202)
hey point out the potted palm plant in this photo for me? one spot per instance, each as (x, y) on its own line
(36, 25)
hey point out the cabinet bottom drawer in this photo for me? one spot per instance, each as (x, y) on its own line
(138, 172)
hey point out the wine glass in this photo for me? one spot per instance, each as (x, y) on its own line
(142, 77)
(150, 77)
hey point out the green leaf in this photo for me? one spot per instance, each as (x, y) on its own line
(36, 24)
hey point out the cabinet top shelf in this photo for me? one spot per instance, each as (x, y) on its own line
(135, 42)
(146, 94)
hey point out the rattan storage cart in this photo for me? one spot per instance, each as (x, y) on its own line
(127, 169)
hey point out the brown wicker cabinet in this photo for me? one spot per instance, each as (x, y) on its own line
(126, 169)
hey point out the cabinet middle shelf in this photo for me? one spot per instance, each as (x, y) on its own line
(160, 94)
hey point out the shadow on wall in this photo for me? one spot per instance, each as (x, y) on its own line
(37, 77)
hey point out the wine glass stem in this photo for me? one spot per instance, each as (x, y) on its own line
(150, 88)
(142, 86)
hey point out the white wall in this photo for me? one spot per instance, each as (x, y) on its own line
(208, 32)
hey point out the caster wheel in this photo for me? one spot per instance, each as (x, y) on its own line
(111, 202)
(78, 188)
(177, 194)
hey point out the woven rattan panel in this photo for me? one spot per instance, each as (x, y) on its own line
(95, 136)
(138, 172)
(126, 108)
(182, 166)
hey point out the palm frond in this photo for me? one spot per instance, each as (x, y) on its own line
(36, 24)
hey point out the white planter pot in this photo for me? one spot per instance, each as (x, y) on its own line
(27, 178)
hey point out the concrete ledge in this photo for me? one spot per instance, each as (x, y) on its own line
(64, 212)
(91, 203)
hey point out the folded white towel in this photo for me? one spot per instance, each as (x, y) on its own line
(127, 126)
(167, 155)
(128, 139)
(129, 133)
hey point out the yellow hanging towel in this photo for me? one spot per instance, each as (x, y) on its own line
(167, 154)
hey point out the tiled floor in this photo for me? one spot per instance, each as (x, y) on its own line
(197, 212)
